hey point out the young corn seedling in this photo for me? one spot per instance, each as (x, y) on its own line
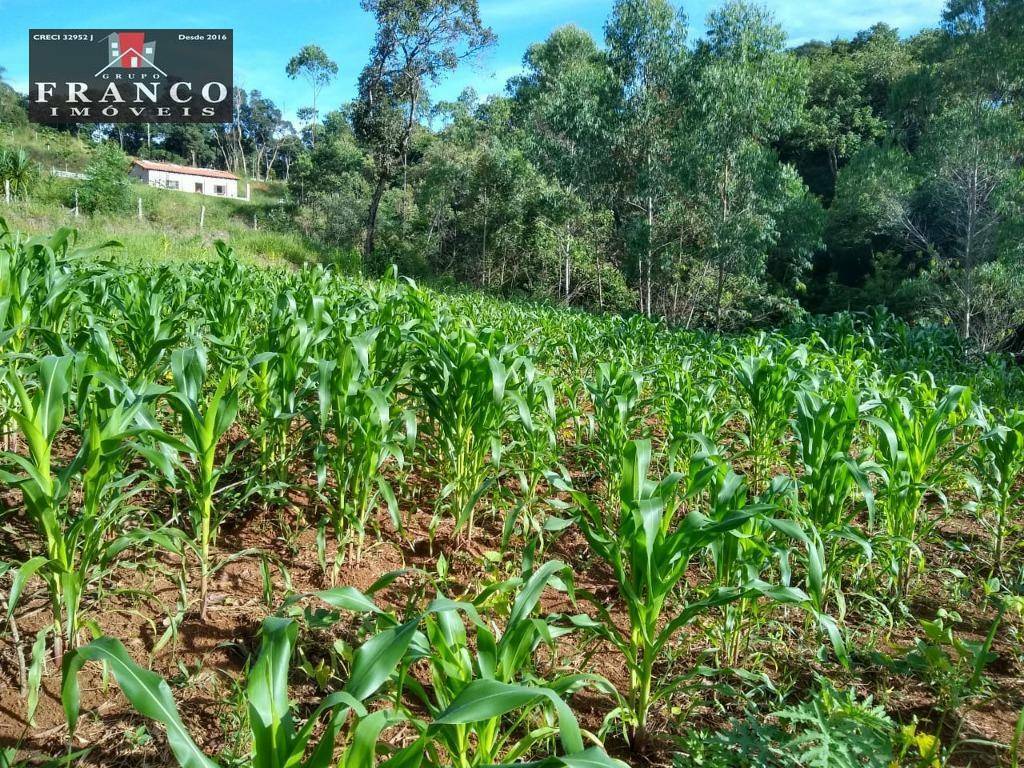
(534, 453)
(360, 431)
(203, 419)
(78, 546)
(649, 541)
(485, 700)
(227, 306)
(464, 379)
(280, 378)
(915, 426)
(616, 396)
(483, 681)
(692, 407)
(830, 475)
(151, 323)
(767, 382)
(998, 468)
(276, 740)
(829, 478)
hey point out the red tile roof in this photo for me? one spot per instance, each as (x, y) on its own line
(151, 165)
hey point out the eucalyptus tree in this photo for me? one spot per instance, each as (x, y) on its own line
(740, 93)
(314, 66)
(416, 43)
(646, 42)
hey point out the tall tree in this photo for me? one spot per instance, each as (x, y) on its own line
(417, 41)
(646, 42)
(565, 110)
(742, 93)
(970, 189)
(313, 65)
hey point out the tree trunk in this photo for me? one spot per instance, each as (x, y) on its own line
(371, 220)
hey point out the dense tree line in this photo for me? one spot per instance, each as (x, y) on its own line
(723, 181)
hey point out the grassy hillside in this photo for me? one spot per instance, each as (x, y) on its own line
(259, 229)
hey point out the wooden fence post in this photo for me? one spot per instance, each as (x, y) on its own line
(202, 216)
(140, 209)
(7, 191)
(76, 203)
(255, 222)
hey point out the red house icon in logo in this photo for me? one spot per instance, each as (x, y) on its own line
(130, 50)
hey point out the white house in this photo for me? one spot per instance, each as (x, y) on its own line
(201, 181)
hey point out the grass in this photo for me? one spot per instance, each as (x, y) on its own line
(258, 229)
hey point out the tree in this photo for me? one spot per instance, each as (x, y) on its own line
(646, 42)
(742, 92)
(416, 42)
(106, 187)
(839, 118)
(970, 189)
(566, 110)
(313, 65)
(12, 108)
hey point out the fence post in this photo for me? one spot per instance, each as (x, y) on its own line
(76, 203)
(202, 216)
(7, 191)
(255, 222)
(140, 209)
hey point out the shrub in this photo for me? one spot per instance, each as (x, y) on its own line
(106, 187)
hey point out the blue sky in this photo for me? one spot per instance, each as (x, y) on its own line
(268, 32)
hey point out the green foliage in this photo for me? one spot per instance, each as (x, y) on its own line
(276, 741)
(106, 188)
(18, 172)
(649, 540)
(831, 729)
(914, 423)
(998, 468)
(203, 420)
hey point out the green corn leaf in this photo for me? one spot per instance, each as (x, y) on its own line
(267, 694)
(146, 691)
(377, 658)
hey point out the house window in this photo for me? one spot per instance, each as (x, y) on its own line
(173, 184)
(199, 186)
(218, 189)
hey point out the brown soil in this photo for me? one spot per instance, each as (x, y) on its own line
(204, 663)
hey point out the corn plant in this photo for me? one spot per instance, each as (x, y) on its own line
(464, 379)
(691, 407)
(486, 679)
(360, 431)
(151, 323)
(203, 419)
(649, 541)
(767, 384)
(478, 678)
(280, 378)
(534, 453)
(276, 741)
(998, 468)
(77, 542)
(914, 428)
(227, 307)
(616, 397)
(829, 475)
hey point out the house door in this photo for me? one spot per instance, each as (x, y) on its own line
(199, 187)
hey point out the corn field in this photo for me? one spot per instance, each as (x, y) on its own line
(271, 517)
